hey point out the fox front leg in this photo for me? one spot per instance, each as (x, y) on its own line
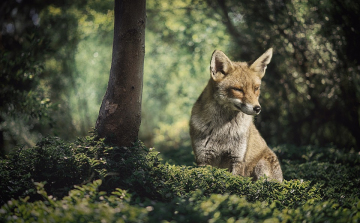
(262, 169)
(268, 167)
(238, 168)
(206, 157)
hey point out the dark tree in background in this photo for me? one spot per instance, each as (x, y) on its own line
(120, 113)
(23, 46)
(33, 101)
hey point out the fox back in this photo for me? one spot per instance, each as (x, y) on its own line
(221, 126)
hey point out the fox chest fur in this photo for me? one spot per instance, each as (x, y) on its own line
(221, 126)
(220, 137)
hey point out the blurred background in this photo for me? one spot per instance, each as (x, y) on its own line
(56, 57)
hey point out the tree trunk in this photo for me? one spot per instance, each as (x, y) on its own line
(120, 112)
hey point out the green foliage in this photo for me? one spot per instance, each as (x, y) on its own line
(59, 164)
(321, 184)
(19, 79)
(336, 172)
(87, 204)
(83, 204)
(231, 208)
(23, 100)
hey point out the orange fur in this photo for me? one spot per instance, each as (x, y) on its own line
(221, 127)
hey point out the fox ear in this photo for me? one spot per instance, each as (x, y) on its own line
(220, 65)
(260, 64)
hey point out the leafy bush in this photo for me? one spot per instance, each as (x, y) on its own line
(83, 204)
(320, 185)
(87, 204)
(337, 173)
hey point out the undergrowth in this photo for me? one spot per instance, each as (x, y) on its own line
(89, 181)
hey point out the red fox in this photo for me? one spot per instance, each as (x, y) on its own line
(221, 126)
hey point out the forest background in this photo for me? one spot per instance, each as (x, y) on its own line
(56, 57)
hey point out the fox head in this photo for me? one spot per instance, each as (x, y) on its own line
(237, 84)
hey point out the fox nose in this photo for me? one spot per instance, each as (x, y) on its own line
(257, 109)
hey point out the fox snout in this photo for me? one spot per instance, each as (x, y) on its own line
(250, 109)
(247, 108)
(257, 109)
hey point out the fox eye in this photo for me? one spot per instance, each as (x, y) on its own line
(239, 90)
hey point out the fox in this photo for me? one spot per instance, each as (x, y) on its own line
(222, 129)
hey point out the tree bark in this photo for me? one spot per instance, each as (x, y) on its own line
(120, 112)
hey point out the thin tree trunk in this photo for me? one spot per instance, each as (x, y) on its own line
(120, 112)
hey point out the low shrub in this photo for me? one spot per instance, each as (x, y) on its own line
(83, 204)
(87, 204)
(160, 191)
